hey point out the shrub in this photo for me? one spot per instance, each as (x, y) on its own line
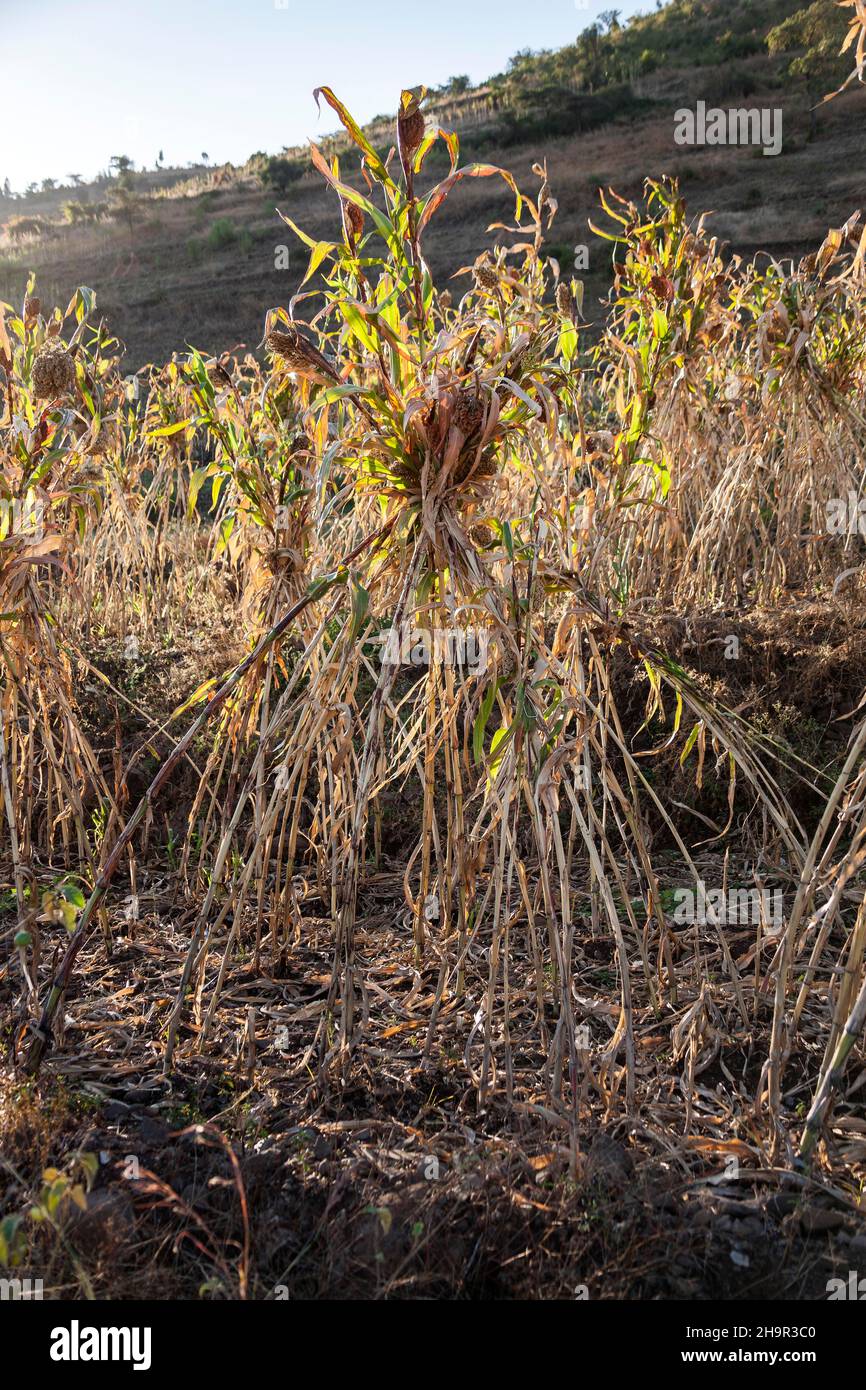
(222, 233)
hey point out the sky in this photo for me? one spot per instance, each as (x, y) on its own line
(229, 77)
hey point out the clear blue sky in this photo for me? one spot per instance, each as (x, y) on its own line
(233, 76)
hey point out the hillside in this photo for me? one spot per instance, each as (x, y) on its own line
(191, 256)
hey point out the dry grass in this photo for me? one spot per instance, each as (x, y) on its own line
(341, 882)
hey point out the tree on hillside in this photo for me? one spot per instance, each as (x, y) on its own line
(76, 180)
(521, 58)
(277, 172)
(812, 36)
(124, 202)
(589, 54)
(48, 185)
(20, 228)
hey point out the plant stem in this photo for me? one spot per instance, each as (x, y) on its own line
(42, 1031)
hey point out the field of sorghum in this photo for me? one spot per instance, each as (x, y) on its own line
(323, 858)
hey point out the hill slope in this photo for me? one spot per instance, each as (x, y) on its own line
(199, 257)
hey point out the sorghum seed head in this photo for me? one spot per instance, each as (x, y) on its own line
(486, 277)
(662, 288)
(565, 300)
(88, 473)
(353, 221)
(471, 466)
(524, 360)
(299, 355)
(468, 413)
(404, 472)
(601, 442)
(101, 444)
(410, 132)
(445, 300)
(53, 371)
(218, 374)
(482, 534)
(32, 305)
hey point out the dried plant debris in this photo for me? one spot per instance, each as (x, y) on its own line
(431, 772)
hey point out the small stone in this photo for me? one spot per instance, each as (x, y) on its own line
(107, 1223)
(322, 1146)
(152, 1132)
(608, 1161)
(738, 1209)
(115, 1110)
(780, 1204)
(814, 1220)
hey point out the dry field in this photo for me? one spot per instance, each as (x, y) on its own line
(526, 965)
